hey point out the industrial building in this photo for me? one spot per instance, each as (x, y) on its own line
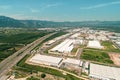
(76, 35)
(75, 62)
(78, 41)
(101, 72)
(64, 47)
(56, 39)
(47, 60)
(94, 44)
(118, 43)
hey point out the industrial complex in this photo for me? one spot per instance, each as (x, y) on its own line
(86, 53)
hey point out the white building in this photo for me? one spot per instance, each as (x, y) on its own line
(47, 60)
(56, 39)
(75, 62)
(76, 35)
(102, 37)
(104, 72)
(64, 47)
(94, 44)
(118, 43)
(78, 41)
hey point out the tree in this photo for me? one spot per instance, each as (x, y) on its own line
(43, 75)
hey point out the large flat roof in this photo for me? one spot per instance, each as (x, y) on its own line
(45, 59)
(94, 44)
(104, 72)
(65, 46)
(72, 61)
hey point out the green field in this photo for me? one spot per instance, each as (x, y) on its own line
(12, 40)
(22, 66)
(7, 50)
(21, 38)
(73, 52)
(97, 56)
(108, 45)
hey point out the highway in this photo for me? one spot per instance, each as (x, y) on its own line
(12, 60)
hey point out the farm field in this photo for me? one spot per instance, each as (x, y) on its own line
(97, 56)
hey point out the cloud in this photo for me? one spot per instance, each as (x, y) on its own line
(101, 5)
(43, 7)
(3, 7)
(50, 5)
(34, 10)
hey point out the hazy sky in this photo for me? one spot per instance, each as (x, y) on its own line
(62, 10)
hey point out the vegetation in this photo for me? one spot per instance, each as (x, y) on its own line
(21, 38)
(32, 68)
(104, 25)
(12, 40)
(19, 74)
(33, 78)
(109, 46)
(43, 75)
(7, 50)
(74, 50)
(96, 56)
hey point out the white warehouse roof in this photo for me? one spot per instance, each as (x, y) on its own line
(43, 59)
(94, 44)
(75, 35)
(65, 46)
(104, 72)
(78, 41)
(73, 61)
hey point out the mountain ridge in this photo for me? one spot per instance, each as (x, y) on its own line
(11, 22)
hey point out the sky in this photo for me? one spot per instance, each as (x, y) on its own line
(62, 10)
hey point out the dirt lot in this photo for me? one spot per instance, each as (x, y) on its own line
(115, 57)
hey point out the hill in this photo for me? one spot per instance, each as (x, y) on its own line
(10, 22)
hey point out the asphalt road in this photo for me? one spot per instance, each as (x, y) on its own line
(12, 60)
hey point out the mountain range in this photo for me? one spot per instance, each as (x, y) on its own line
(11, 22)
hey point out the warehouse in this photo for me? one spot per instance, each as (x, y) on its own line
(73, 61)
(56, 39)
(76, 35)
(101, 72)
(118, 43)
(64, 47)
(78, 41)
(47, 60)
(94, 44)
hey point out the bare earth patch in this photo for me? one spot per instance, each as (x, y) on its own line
(115, 57)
